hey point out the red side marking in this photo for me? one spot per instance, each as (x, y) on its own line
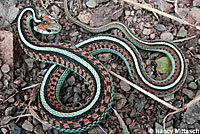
(28, 14)
(25, 26)
(83, 53)
(107, 79)
(71, 66)
(81, 119)
(28, 34)
(67, 63)
(31, 38)
(88, 76)
(69, 122)
(31, 54)
(90, 57)
(65, 125)
(102, 108)
(57, 124)
(76, 124)
(89, 116)
(62, 61)
(96, 62)
(26, 31)
(107, 99)
(102, 101)
(51, 58)
(75, 69)
(25, 17)
(91, 81)
(108, 88)
(96, 109)
(95, 115)
(37, 56)
(66, 108)
(51, 121)
(25, 22)
(60, 44)
(100, 67)
(104, 73)
(72, 47)
(86, 121)
(46, 117)
(49, 95)
(105, 92)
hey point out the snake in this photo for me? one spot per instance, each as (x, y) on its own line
(79, 58)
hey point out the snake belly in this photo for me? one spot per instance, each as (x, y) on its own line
(71, 58)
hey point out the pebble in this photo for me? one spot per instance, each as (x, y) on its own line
(158, 127)
(29, 62)
(71, 80)
(4, 121)
(55, 9)
(169, 97)
(105, 57)
(167, 36)
(188, 92)
(128, 121)
(131, 99)
(146, 31)
(91, 3)
(127, 12)
(197, 68)
(119, 96)
(133, 113)
(35, 121)
(177, 104)
(51, 37)
(85, 17)
(95, 130)
(76, 98)
(140, 105)
(10, 110)
(5, 68)
(42, 65)
(38, 129)
(15, 129)
(124, 86)
(192, 85)
(4, 130)
(58, 38)
(27, 126)
(196, 3)
(189, 78)
(182, 32)
(160, 27)
(191, 43)
(1, 84)
(73, 34)
(121, 103)
(150, 130)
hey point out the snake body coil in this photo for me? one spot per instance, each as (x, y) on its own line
(79, 59)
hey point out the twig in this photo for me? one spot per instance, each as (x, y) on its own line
(162, 13)
(19, 116)
(32, 86)
(144, 91)
(102, 129)
(176, 8)
(9, 98)
(184, 39)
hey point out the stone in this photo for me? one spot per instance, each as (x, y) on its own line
(133, 113)
(12, 13)
(121, 103)
(73, 34)
(127, 12)
(188, 92)
(167, 36)
(38, 129)
(77, 98)
(191, 43)
(140, 105)
(51, 37)
(42, 65)
(5, 68)
(45, 128)
(85, 17)
(197, 68)
(160, 27)
(35, 121)
(146, 31)
(104, 57)
(119, 96)
(91, 3)
(124, 86)
(15, 129)
(196, 3)
(192, 85)
(10, 110)
(71, 80)
(158, 127)
(169, 97)
(5, 120)
(11, 100)
(128, 121)
(189, 78)
(182, 32)
(4, 130)
(150, 130)
(55, 9)
(27, 126)
(29, 63)
(95, 130)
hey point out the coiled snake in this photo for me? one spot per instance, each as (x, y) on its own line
(79, 59)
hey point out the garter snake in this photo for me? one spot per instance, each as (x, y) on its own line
(79, 59)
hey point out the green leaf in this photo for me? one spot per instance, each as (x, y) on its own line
(163, 65)
(122, 124)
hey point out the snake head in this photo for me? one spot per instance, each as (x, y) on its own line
(49, 25)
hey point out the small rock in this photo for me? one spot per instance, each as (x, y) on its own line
(102, 1)
(4, 130)
(29, 63)
(38, 129)
(169, 97)
(182, 32)
(197, 68)
(91, 3)
(192, 85)
(73, 34)
(15, 129)
(114, 65)
(121, 103)
(58, 38)
(196, 3)
(128, 121)
(124, 86)
(188, 92)
(71, 80)
(5, 83)
(131, 99)
(5, 68)
(177, 104)
(140, 105)
(150, 130)
(76, 98)
(4, 121)
(146, 31)
(45, 128)
(160, 27)
(55, 9)
(133, 113)
(119, 96)
(84, 17)
(12, 13)
(191, 43)
(95, 130)
(1, 84)
(10, 110)
(27, 126)
(105, 57)
(51, 37)
(127, 12)
(42, 65)
(35, 121)
(190, 78)
(167, 36)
